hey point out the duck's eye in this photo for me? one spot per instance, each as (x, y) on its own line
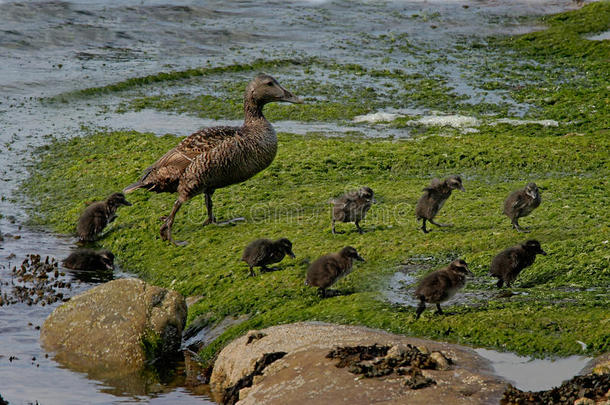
(269, 83)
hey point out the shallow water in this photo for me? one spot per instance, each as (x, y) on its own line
(52, 47)
(530, 374)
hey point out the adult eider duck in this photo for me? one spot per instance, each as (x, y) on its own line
(328, 269)
(507, 264)
(97, 215)
(263, 252)
(435, 195)
(521, 203)
(352, 207)
(217, 157)
(440, 285)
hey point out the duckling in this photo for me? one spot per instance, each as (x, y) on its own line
(97, 215)
(521, 203)
(263, 252)
(328, 269)
(352, 207)
(217, 157)
(440, 285)
(435, 195)
(89, 259)
(507, 264)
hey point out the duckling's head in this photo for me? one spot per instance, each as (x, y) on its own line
(367, 193)
(286, 246)
(532, 190)
(460, 266)
(455, 183)
(117, 199)
(533, 246)
(351, 252)
(107, 258)
(265, 89)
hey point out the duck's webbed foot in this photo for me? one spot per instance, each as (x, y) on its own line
(439, 225)
(166, 234)
(358, 228)
(518, 228)
(421, 307)
(423, 227)
(229, 221)
(209, 220)
(439, 311)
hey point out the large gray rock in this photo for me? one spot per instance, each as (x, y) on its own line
(288, 364)
(118, 326)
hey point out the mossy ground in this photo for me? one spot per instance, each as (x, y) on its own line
(565, 294)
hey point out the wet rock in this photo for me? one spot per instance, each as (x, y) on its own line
(2, 401)
(305, 375)
(442, 362)
(121, 325)
(591, 387)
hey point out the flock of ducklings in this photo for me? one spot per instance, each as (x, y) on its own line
(216, 157)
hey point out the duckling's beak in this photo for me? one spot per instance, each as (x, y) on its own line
(291, 254)
(359, 258)
(290, 98)
(462, 188)
(373, 200)
(125, 202)
(542, 252)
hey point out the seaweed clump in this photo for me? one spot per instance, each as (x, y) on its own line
(35, 282)
(592, 386)
(380, 360)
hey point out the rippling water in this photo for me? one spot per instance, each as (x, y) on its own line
(52, 47)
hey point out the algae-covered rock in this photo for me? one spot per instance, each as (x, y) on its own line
(122, 325)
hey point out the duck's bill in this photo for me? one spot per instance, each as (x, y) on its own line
(359, 258)
(291, 98)
(291, 254)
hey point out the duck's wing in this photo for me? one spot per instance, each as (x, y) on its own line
(164, 174)
(519, 202)
(434, 184)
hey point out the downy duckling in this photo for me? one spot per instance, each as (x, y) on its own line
(521, 203)
(217, 157)
(433, 199)
(507, 264)
(89, 259)
(326, 270)
(97, 215)
(352, 207)
(263, 252)
(440, 285)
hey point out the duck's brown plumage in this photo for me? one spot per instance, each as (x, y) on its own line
(507, 264)
(521, 203)
(440, 285)
(97, 215)
(435, 195)
(352, 207)
(89, 259)
(326, 270)
(263, 252)
(217, 157)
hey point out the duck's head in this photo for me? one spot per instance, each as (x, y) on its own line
(118, 199)
(534, 246)
(532, 190)
(107, 258)
(352, 253)
(286, 246)
(455, 183)
(460, 266)
(265, 89)
(367, 193)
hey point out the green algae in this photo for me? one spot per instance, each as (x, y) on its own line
(572, 225)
